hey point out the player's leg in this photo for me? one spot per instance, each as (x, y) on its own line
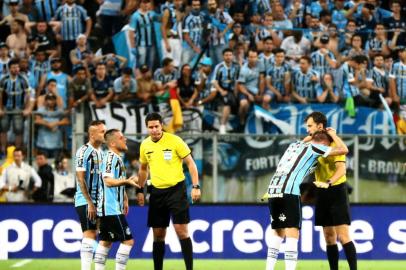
(275, 242)
(291, 250)
(158, 248)
(348, 246)
(331, 246)
(101, 254)
(179, 208)
(125, 236)
(89, 238)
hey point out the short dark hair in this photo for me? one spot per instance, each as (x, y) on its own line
(19, 149)
(41, 153)
(166, 61)
(227, 50)
(278, 50)
(318, 118)
(252, 50)
(306, 58)
(268, 38)
(154, 116)
(79, 68)
(14, 61)
(127, 71)
(321, 135)
(51, 81)
(110, 133)
(96, 123)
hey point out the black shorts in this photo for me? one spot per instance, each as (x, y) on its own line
(87, 224)
(114, 228)
(332, 206)
(167, 202)
(286, 212)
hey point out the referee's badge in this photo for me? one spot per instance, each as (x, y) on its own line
(167, 154)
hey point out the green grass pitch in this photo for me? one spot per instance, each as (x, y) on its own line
(73, 264)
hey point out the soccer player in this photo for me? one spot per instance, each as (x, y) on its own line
(113, 203)
(164, 154)
(332, 204)
(88, 162)
(284, 193)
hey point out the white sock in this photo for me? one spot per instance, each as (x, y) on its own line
(273, 251)
(100, 257)
(86, 253)
(291, 253)
(122, 255)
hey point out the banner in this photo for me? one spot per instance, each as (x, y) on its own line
(227, 232)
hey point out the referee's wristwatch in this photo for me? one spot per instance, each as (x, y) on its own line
(196, 186)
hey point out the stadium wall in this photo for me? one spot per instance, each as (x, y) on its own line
(218, 231)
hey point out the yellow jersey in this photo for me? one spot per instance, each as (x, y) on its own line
(165, 159)
(326, 168)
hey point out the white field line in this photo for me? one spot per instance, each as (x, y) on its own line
(21, 263)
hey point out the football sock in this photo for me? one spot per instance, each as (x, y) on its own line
(187, 251)
(273, 251)
(122, 255)
(332, 256)
(100, 257)
(351, 254)
(86, 253)
(158, 252)
(291, 253)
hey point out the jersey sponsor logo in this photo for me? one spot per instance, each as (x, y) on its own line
(127, 231)
(282, 217)
(109, 164)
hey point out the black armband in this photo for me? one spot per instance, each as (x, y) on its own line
(139, 190)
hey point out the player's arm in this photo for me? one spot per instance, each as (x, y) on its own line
(112, 182)
(91, 209)
(339, 172)
(190, 163)
(126, 205)
(340, 148)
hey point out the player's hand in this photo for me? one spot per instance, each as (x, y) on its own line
(91, 211)
(320, 184)
(195, 194)
(307, 138)
(140, 199)
(133, 181)
(331, 131)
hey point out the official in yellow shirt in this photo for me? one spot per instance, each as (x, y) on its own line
(162, 154)
(332, 204)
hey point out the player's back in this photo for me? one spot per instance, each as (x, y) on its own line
(88, 160)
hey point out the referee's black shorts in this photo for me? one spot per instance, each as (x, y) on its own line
(167, 202)
(286, 212)
(332, 206)
(85, 223)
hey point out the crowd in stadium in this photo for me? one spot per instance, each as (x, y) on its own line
(224, 55)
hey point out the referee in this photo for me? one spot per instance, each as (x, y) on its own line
(163, 153)
(332, 204)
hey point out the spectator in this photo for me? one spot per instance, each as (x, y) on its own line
(165, 79)
(51, 87)
(61, 78)
(79, 89)
(64, 187)
(330, 92)
(396, 22)
(323, 60)
(379, 44)
(102, 87)
(4, 59)
(79, 55)
(398, 82)
(17, 41)
(278, 77)
(192, 33)
(225, 77)
(237, 37)
(296, 12)
(15, 15)
(207, 93)
(30, 10)
(295, 47)
(114, 65)
(39, 66)
(46, 193)
(186, 90)
(43, 36)
(125, 87)
(305, 82)
(172, 31)
(325, 20)
(15, 180)
(239, 54)
(221, 23)
(15, 95)
(47, 9)
(266, 30)
(380, 82)
(146, 86)
(142, 36)
(281, 22)
(349, 33)
(355, 49)
(74, 21)
(251, 85)
(50, 120)
(366, 21)
(338, 15)
(266, 58)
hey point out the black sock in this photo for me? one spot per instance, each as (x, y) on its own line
(332, 256)
(351, 254)
(187, 251)
(158, 252)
